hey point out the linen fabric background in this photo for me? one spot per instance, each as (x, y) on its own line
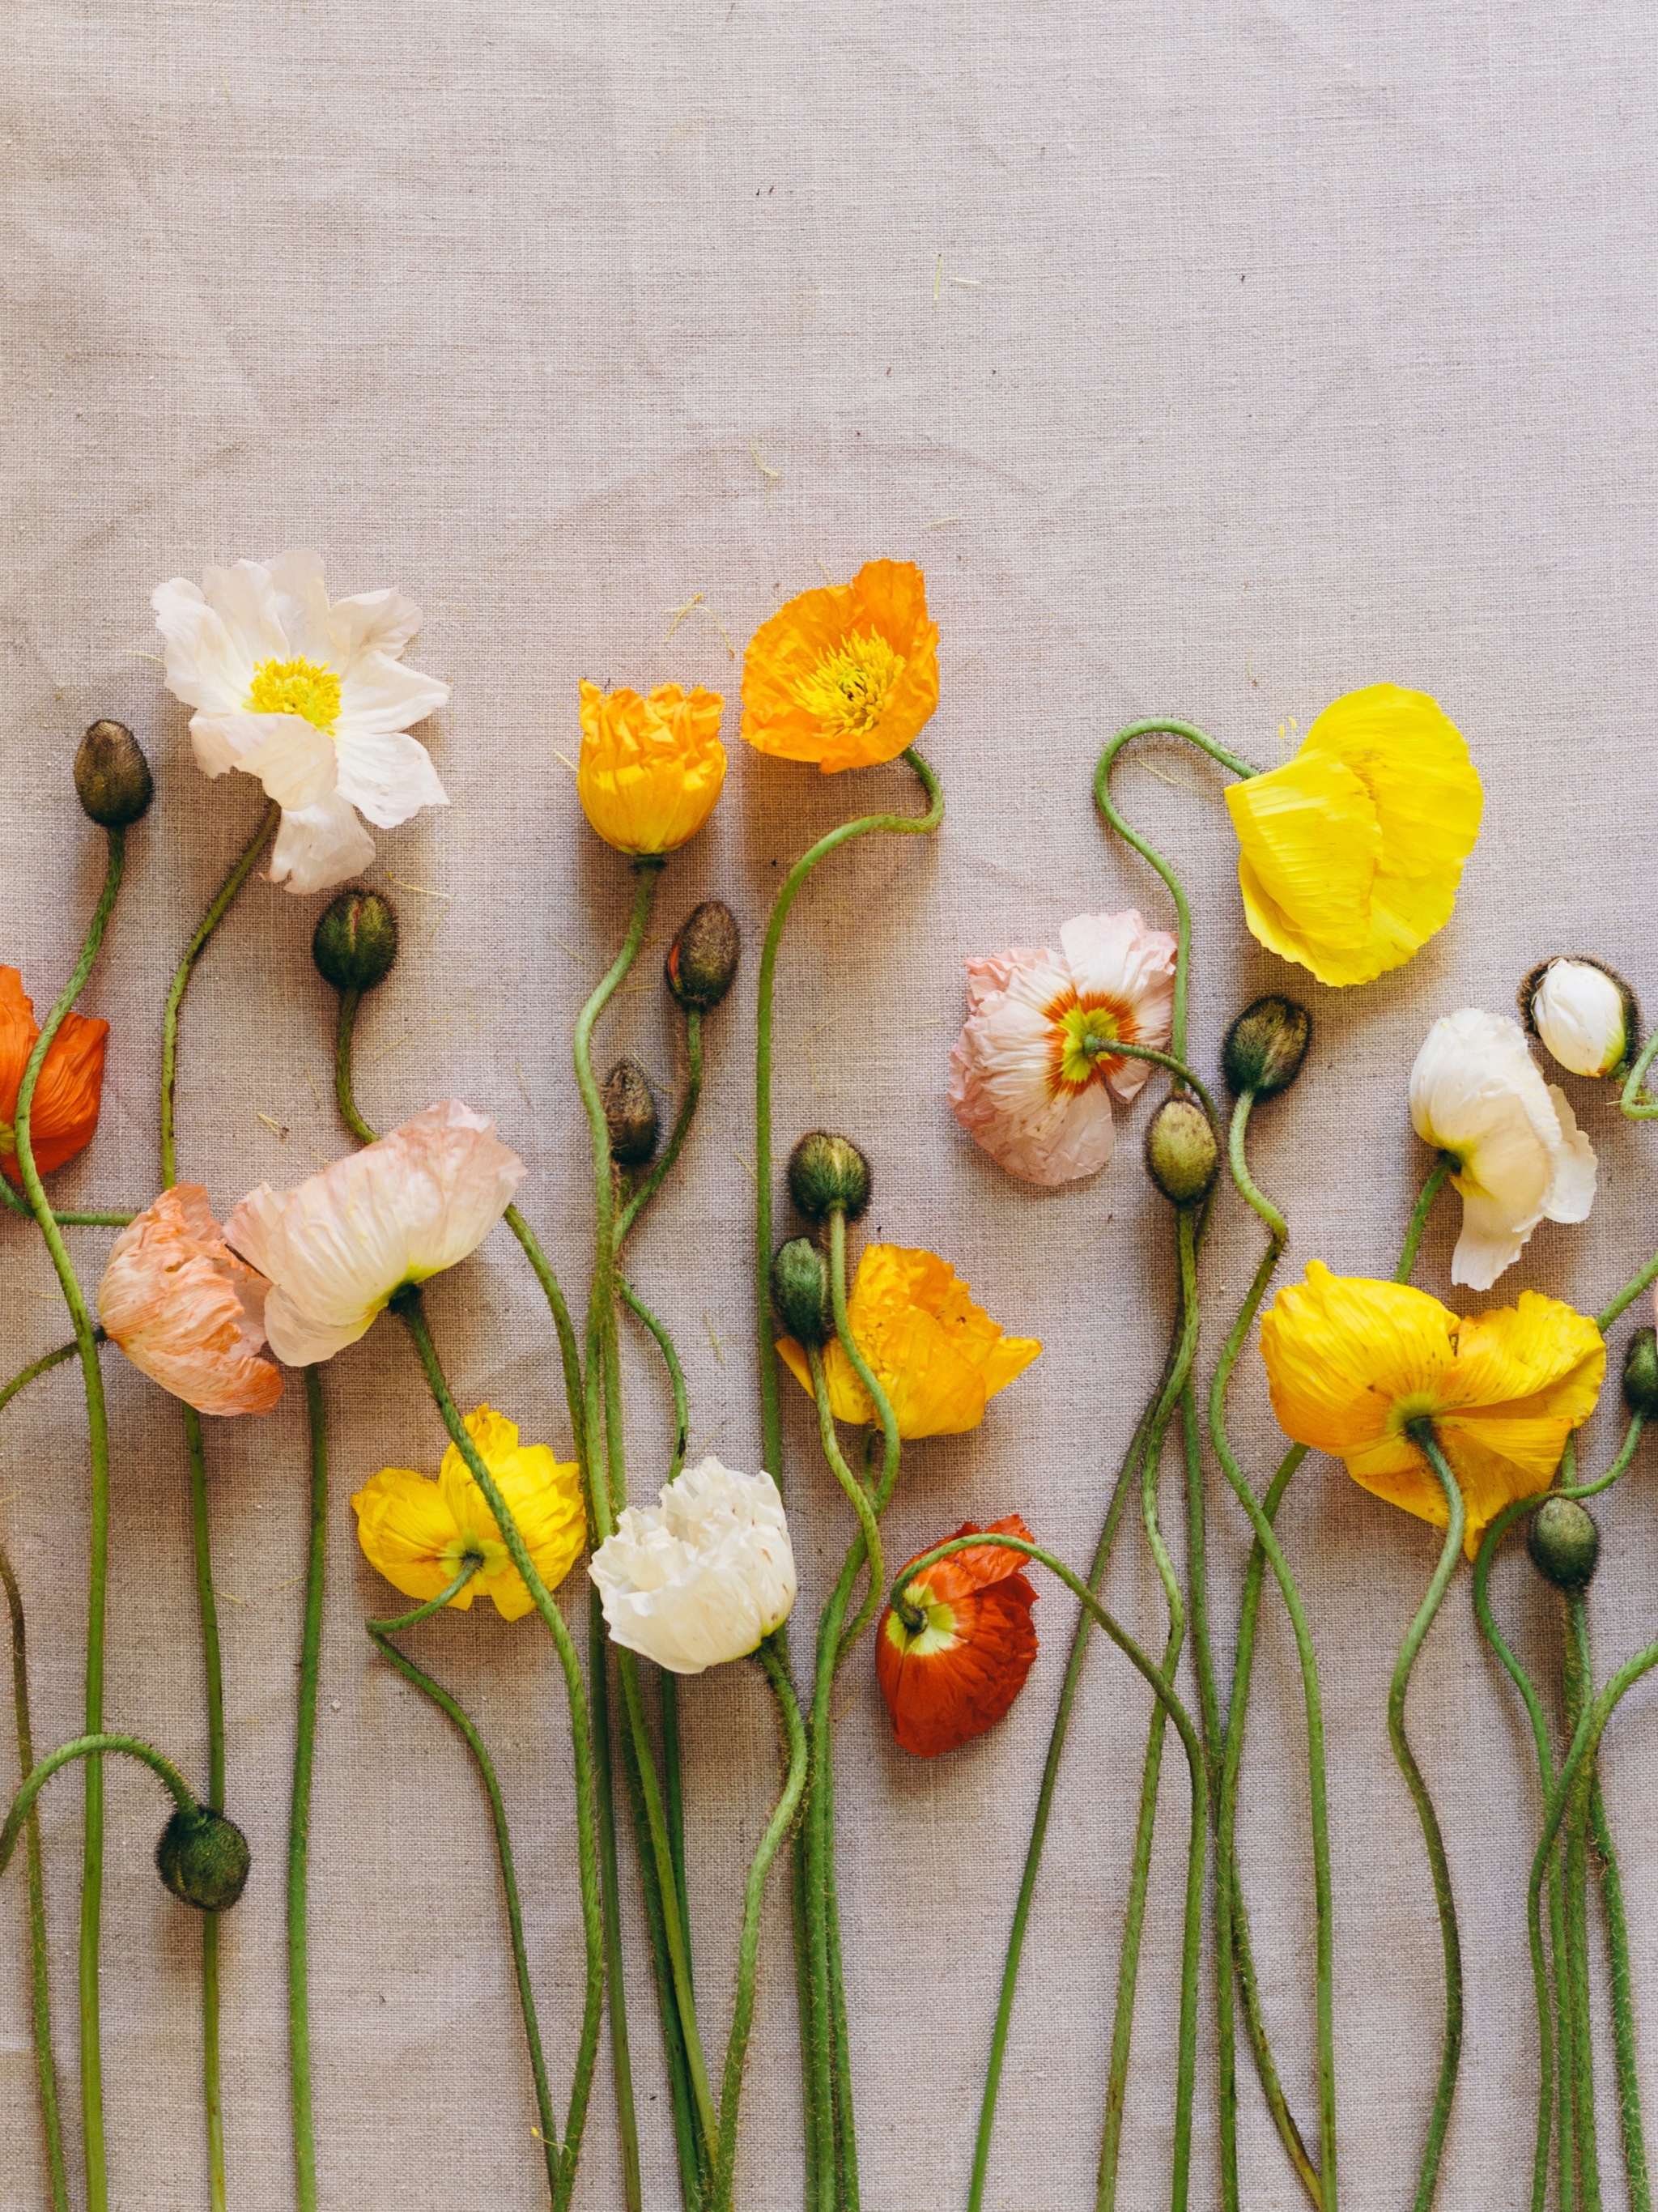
(1213, 362)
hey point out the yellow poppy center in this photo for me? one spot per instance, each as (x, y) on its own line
(1412, 1406)
(848, 689)
(296, 687)
(939, 1634)
(473, 1544)
(1083, 1036)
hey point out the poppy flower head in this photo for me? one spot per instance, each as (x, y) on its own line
(67, 1095)
(847, 675)
(955, 1675)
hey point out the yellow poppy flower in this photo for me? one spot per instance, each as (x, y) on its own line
(418, 1533)
(1351, 1363)
(1352, 852)
(847, 675)
(651, 768)
(937, 1355)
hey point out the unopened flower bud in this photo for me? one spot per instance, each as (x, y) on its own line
(701, 963)
(630, 1113)
(1641, 1375)
(829, 1175)
(800, 1293)
(203, 1858)
(111, 776)
(355, 940)
(1563, 1543)
(1182, 1156)
(1585, 1013)
(1265, 1046)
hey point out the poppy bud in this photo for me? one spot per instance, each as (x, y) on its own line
(1641, 1375)
(1563, 1543)
(203, 1858)
(1182, 1156)
(111, 776)
(1265, 1046)
(630, 1114)
(701, 963)
(800, 1294)
(829, 1175)
(355, 941)
(1584, 1012)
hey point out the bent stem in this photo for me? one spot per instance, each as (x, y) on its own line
(299, 1818)
(91, 1746)
(26, 1213)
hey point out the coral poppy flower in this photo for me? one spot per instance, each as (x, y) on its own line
(1351, 1363)
(938, 1356)
(418, 1533)
(64, 1111)
(847, 675)
(1353, 852)
(1032, 1075)
(186, 1310)
(956, 1676)
(651, 768)
(398, 1212)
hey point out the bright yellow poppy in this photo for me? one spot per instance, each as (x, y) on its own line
(846, 676)
(1352, 852)
(418, 1533)
(651, 768)
(1351, 1363)
(937, 1355)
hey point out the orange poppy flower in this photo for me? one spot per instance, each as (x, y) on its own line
(66, 1098)
(954, 1678)
(847, 675)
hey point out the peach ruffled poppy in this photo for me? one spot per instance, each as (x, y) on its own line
(186, 1310)
(67, 1095)
(847, 675)
(651, 768)
(956, 1676)
(938, 1356)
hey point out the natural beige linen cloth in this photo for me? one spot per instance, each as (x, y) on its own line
(1213, 362)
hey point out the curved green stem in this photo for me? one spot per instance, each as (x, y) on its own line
(1633, 1101)
(568, 1353)
(637, 1307)
(45, 2065)
(1577, 1689)
(1630, 1291)
(299, 1819)
(1630, 2121)
(637, 1200)
(344, 1032)
(44, 1365)
(1443, 1167)
(213, 1675)
(89, 1746)
(26, 1213)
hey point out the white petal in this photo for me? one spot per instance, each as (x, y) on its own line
(372, 621)
(295, 761)
(319, 846)
(302, 601)
(243, 598)
(1572, 1192)
(381, 695)
(388, 777)
(1489, 1244)
(1579, 1013)
(206, 667)
(300, 1340)
(702, 1576)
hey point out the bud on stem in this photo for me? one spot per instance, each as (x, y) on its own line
(829, 1175)
(630, 1113)
(111, 776)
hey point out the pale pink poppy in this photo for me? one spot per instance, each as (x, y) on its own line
(402, 1210)
(186, 1310)
(1032, 1075)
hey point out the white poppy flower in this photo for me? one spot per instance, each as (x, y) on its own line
(399, 1212)
(1520, 1157)
(1582, 1013)
(313, 699)
(701, 1577)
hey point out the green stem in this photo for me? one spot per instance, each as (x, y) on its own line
(1444, 1166)
(344, 1032)
(298, 1821)
(638, 1307)
(1623, 2007)
(26, 1213)
(639, 1200)
(41, 1366)
(92, 1858)
(568, 1352)
(89, 1746)
(1421, 1434)
(1638, 1106)
(1630, 1291)
(610, 1901)
(1578, 1687)
(213, 1675)
(45, 2066)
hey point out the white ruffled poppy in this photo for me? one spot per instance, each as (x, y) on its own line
(1582, 1013)
(1520, 1157)
(313, 699)
(399, 1212)
(701, 1577)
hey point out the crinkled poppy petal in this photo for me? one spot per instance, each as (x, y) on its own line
(961, 1673)
(64, 1114)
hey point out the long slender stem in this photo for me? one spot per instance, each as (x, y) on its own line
(213, 1675)
(26, 1213)
(1578, 1687)
(637, 1307)
(45, 2066)
(1630, 2121)
(639, 1199)
(1430, 1189)
(299, 1821)
(44, 1365)
(1634, 1100)
(92, 1857)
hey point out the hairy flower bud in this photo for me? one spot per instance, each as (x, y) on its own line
(203, 1858)
(1265, 1046)
(630, 1113)
(800, 1294)
(1641, 1375)
(1585, 1013)
(1182, 1156)
(1563, 1543)
(355, 940)
(111, 776)
(701, 963)
(829, 1175)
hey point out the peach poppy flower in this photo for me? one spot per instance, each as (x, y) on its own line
(956, 1676)
(65, 1113)
(186, 1310)
(847, 675)
(651, 768)
(398, 1212)
(940, 1357)
(1032, 1075)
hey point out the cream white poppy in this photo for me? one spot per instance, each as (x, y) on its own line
(1582, 1013)
(1520, 1157)
(702, 1576)
(313, 699)
(400, 1211)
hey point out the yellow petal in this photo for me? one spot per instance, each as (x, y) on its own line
(1310, 837)
(1340, 1351)
(405, 1529)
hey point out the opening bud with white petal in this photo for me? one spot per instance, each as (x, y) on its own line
(630, 1113)
(354, 943)
(1265, 1046)
(111, 776)
(701, 963)
(1563, 1543)
(1585, 1013)
(703, 1575)
(1182, 1156)
(829, 1175)
(203, 1859)
(800, 1294)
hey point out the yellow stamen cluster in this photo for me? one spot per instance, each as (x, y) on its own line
(296, 687)
(1084, 1035)
(848, 689)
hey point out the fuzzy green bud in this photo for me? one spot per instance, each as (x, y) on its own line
(203, 1858)
(1182, 1156)
(111, 776)
(1641, 1375)
(1563, 1543)
(630, 1114)
(800, 1294)
(829, 1175)
(354, 943)
(1265, 1046)
(701, 963)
